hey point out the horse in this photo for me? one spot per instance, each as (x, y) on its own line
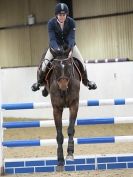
(63, 84)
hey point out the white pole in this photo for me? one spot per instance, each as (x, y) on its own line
(1, 131)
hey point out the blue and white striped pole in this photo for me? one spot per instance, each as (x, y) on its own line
(50, 123)
(95, 102)
(1, 131)
(49, 142)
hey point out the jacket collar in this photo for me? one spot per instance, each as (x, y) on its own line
(58, 24)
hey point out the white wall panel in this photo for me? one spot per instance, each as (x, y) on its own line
(114, 80)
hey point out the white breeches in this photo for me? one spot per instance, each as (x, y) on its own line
(75, 53)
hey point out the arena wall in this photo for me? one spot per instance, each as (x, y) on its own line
(114, 80)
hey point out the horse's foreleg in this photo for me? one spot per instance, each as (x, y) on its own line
(71, 131)
(60, 137)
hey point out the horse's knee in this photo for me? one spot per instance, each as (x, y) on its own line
(70, 131)
(60, 138)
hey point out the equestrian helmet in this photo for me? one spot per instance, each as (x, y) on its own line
(61, 8)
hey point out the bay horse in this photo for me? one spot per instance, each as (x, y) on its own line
(63, 85)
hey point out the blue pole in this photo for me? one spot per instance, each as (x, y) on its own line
(16, 106)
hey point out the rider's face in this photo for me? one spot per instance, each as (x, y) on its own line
(61, 17)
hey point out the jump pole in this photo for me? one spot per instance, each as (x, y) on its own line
(52, 142)
(85, 121)
(82, 103)
(1, 132)
(1, 147)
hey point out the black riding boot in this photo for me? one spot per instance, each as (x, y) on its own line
(86, 82)
(40, 82)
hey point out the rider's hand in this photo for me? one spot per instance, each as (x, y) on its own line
(56, 52)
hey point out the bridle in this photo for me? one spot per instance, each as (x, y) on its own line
(64, 78)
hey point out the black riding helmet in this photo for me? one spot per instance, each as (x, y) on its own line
(61, 8)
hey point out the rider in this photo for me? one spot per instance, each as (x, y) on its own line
(61, 30)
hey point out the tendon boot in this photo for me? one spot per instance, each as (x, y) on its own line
(91, 85)
(36, 86)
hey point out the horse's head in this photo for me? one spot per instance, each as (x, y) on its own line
(63, 70)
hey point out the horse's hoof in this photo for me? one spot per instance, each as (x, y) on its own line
(70, 157)
(59, 168)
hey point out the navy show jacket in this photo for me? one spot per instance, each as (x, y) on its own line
(59, 37)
